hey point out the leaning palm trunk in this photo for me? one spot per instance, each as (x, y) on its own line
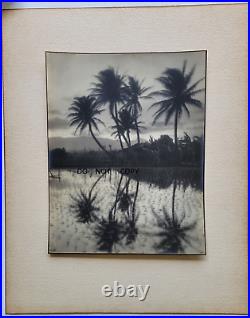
(97, 141)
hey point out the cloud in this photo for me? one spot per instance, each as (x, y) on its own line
(57, 123)
(54, 112)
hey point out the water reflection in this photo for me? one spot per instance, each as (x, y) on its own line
(111, 230)
(129, 213)
(174, 234)
(85, 206)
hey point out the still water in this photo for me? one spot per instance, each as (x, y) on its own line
(151, 211)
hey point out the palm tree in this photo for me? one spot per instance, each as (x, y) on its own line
(110, 89)
(134, 93)
(127, 122)
(177, 95)
(83, 114)
(120, 130)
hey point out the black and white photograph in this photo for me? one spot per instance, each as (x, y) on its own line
(126, 145)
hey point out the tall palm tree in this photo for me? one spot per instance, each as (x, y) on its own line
(110, 89)
(134, 93)
(178, 93)
(83, 113)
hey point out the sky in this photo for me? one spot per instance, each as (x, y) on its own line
(71, 75)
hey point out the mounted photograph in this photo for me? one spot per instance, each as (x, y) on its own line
(126, 146)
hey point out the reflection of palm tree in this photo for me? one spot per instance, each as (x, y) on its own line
(109, 231)
(110, 89)
(135, 92)
(83, 114)
(84, 205)
(131, 219)
(173, 198)
(127, 203)
(125, 198)
(177, 95)
(174, 234)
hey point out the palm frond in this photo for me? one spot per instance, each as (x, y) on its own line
(189, 76)
(186, 109)
(184, 67)
(194, 102)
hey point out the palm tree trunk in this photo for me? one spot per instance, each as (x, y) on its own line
(126, 140)
(128, 136)
(116, 121)
(175, 133)
(137, 131)
(97, 141)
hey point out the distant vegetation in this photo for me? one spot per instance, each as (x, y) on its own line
(154, 153)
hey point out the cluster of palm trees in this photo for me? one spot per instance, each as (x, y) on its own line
(123, 96)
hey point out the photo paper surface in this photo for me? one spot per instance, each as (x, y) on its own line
(126, 152)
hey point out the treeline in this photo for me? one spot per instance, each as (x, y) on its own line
(154, 153)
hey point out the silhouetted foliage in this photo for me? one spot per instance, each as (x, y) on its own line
(84, 208)
(84, 113)
(157, 153)
(177, 94)
(110, 89)
(135, 92)
(57, 157)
